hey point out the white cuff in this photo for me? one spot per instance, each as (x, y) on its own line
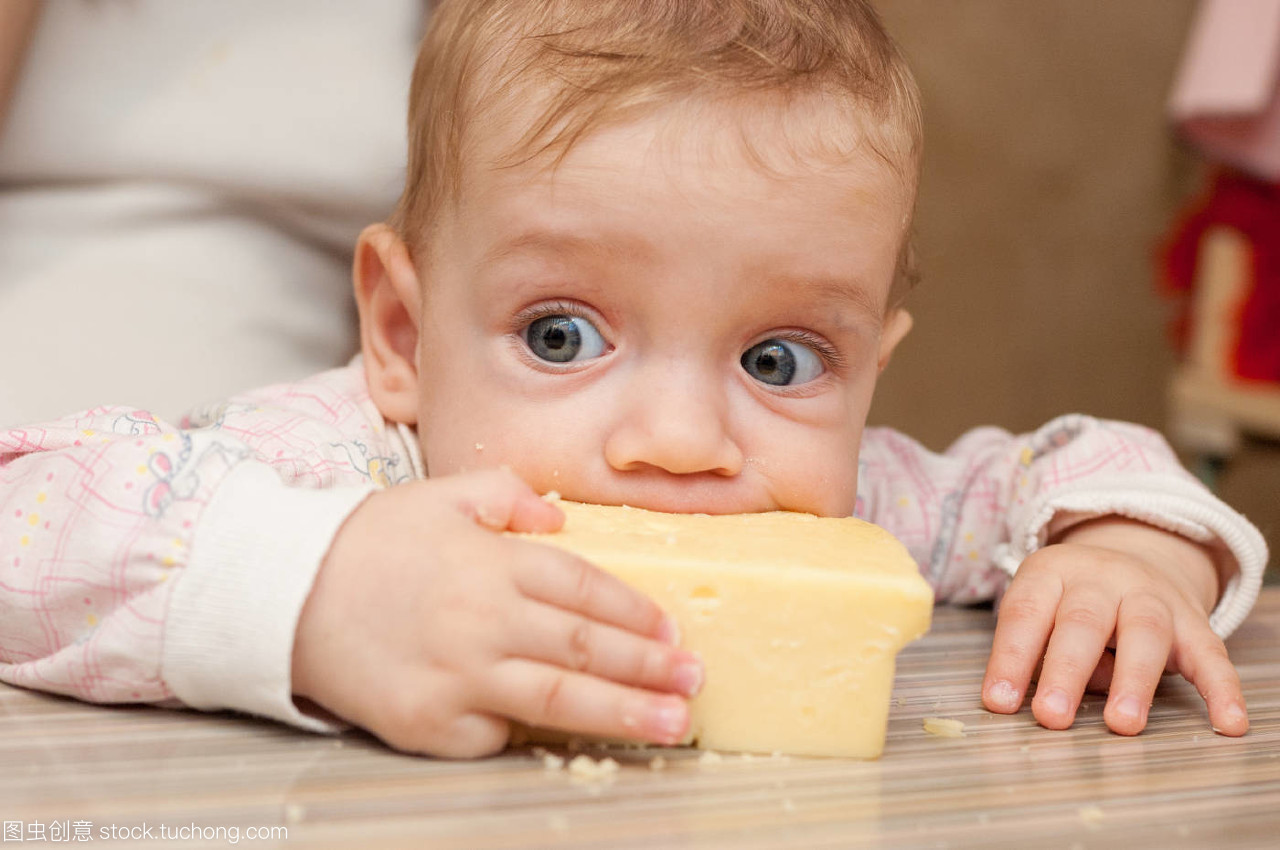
(228, 636)
(1173, 503)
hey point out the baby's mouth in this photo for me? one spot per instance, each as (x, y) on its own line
(700, 493)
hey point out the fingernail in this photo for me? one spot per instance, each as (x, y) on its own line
(1003, 694)
(669, 631)
(669, 721)
(687, 677)
(1129, 707)
(1057, 702)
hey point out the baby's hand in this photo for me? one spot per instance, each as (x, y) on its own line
(1112, 582)
(432, 630)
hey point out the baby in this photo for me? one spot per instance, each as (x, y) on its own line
(649, 254)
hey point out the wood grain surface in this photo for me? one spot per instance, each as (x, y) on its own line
(1005, 783)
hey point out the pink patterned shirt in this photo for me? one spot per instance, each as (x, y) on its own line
(147, 562)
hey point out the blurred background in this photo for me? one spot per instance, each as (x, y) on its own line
(1050, 178)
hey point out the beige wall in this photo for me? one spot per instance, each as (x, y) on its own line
(1049, 178)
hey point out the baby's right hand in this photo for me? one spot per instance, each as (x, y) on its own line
(432, 630)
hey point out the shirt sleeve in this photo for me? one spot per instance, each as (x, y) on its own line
(973, 513)
(146, 562)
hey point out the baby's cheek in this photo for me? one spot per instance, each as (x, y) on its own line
(443, 456)
(840, 498)
(540, 463)
(825, 484)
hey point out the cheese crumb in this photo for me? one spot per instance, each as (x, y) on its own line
(550, 761)
(1091, 815)
(944, 727)
(551, 496)
(294, 813)
(559, 823)
(710, 757)
(585, 767)
(479, 447)
(787, 805)
(657, 763)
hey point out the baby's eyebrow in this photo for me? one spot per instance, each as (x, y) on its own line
(567, 243)
(839, 291)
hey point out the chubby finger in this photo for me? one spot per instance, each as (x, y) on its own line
(467, 736)
(1144, 636)
(500, 500)
(1084, 623)
(550, 697)
(555, 577)
(558, 637)
(1202, 659)
(1022, 630)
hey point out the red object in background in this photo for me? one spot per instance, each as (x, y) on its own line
(1251, 207)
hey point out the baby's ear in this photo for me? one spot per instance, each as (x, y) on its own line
(389, 300)
(896, 326)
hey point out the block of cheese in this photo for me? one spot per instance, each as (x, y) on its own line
(798, 618)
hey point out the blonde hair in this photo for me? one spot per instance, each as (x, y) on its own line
(591, 62)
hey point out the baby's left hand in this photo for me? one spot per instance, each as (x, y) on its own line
(1118, 583)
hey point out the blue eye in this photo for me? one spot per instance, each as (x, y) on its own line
(779, 362)
(563, 339)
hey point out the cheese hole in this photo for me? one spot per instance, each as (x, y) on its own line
(704, 600)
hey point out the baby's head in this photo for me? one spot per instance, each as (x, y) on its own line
(648, 253)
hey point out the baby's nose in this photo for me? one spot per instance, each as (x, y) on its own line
(678, 425)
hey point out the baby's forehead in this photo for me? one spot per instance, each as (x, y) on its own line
(780, 135)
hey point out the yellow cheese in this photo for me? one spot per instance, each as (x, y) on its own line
(798, 618)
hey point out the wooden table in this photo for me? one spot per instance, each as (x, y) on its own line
(1007, 783)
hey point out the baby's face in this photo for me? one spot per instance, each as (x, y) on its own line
(658, 322)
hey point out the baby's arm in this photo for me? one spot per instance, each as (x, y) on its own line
(990, 506)
(148, 563)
